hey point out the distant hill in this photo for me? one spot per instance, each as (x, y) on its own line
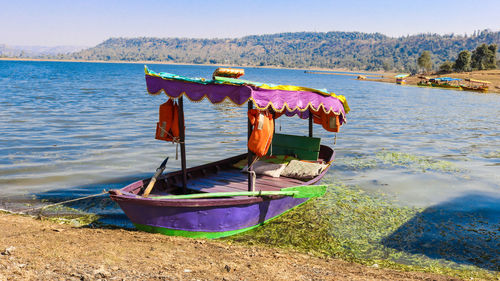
(348, 50)
(37, 51)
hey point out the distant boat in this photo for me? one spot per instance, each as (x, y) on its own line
(424, 81)
(476, 85)
(400, 79)
(446, 82)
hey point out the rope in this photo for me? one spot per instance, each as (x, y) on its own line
(174, 138)
(253, 162)
(64, 202)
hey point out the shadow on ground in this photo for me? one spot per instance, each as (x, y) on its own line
(108, 212)
(465, 230)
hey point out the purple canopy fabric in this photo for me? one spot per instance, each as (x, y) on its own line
(292, 102)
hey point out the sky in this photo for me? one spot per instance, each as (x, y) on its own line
(90, 22)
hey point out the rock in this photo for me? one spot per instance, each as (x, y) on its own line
(8, 251)
(101, 273)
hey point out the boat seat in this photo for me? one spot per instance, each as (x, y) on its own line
(304, 148)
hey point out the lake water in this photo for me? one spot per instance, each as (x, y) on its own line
(74, 129)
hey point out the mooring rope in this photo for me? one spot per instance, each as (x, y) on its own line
(64, 202)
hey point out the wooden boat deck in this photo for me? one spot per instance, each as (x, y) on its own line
(235, 180)
(221, 176)
(231, 180)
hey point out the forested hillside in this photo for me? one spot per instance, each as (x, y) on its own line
(351, 50)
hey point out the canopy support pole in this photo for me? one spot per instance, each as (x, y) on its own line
(310, 124)
(183, 145)
(250, 154)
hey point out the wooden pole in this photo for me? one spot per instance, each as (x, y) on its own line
(250, 154)
(183, 145)
(310, 124)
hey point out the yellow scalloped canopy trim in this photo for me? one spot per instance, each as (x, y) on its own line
(269, 105)
(240, 82)
(341, 98)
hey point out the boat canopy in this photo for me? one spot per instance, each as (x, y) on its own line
(402, 75)
(477, 81)
(281, 98)
(447, 79)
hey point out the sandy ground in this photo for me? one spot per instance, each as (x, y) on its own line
(492, 76)
(32, 249)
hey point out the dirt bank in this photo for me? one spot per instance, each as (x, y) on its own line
(42, 250)
(492, 76)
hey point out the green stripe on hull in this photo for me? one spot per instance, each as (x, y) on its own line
(202, 234)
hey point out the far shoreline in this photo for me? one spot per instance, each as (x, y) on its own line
(311, 69)
(492, 76)
(373, 76)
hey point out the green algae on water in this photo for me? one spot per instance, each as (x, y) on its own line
(350, 224)
(357, 163)
(66, 215)
(492, 155)
(415, 162)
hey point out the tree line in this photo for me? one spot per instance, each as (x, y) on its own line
(484, 57)
(348, 50)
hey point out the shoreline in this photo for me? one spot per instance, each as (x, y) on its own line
(312, 69)
(492, 76)
(33, 248)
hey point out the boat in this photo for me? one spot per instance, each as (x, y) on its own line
(446, 82)
(220, 198)
(424, 81)
(476, 85)
(401, 79)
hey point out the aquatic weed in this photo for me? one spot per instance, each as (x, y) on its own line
(66, 215)
(415, 162)
(492, 154)
(356, 163)
(350, 224)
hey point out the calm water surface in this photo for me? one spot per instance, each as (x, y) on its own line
(73, 129)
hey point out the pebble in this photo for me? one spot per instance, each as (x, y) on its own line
(101, 272)
(8, 251)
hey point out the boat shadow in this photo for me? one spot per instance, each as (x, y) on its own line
(465, 230)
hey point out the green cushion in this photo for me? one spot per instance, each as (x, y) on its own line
(304, 148)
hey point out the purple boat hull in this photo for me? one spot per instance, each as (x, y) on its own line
(209, 219)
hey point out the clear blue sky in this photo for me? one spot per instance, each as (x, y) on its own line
(89, 22)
